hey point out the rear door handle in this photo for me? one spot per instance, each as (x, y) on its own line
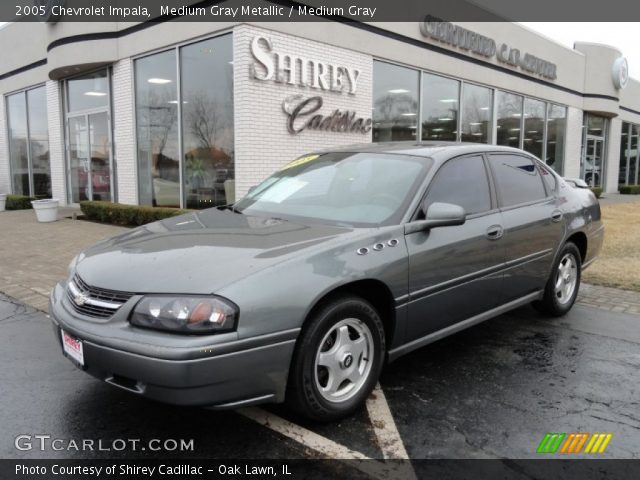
(495, 232)
(556, 216)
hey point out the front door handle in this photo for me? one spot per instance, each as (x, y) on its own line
(495, 232)
(556, 216)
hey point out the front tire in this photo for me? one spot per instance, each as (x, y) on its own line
(564, 282)
(338, 359)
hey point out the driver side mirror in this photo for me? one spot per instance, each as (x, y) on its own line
(438, 215)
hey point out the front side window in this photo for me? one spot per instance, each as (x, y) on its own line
(517, 178)
(462, 181)
(395, 102)
(356, 189)
(29, 143)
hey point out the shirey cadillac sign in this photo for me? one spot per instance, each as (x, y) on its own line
(305, 113)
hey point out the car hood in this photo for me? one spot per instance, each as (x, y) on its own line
(199, 252)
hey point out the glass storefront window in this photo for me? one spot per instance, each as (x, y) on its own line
(633, 155)
(595, 125)
(29, 143)
(537, 126)
(629, 158)
(477, 106)
(89, 137)
(534, 114)
(593, 164)
(508, 122)
(624, 154)
(395, 102)
(207, 122)
(87, 92)
(556, 132)
(198, 172)
(17, 110)
(157, 130)
(39, 141)
(440, 97)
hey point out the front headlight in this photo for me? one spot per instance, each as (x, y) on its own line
(185, 314)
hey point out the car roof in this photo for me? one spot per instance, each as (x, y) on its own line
(435, 150)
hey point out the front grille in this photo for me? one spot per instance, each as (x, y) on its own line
(92, 301)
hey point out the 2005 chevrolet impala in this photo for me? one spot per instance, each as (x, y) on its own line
(339, 261)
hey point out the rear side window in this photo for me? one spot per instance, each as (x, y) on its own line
(462, 181)
(517, 178)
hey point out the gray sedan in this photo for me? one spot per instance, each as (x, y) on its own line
(340, 261)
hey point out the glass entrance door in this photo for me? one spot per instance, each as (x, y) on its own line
(593, 161)
(90, 157)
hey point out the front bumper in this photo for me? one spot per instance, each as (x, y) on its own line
(217, 371)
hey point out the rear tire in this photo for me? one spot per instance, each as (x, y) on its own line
(564, 282)
(337, 361)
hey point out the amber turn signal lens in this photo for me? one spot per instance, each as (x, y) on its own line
(201, 313)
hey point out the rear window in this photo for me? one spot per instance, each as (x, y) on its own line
(517, 178)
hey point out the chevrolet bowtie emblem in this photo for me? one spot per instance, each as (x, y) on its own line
(80, 299)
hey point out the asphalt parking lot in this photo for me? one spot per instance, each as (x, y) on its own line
(492, 391)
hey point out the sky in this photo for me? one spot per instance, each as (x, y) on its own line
(622, 35)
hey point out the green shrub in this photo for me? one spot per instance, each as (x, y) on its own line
(126, 215)
(597, 191)
(630, 189)
(18, 202)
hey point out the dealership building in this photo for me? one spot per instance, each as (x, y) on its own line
(192, 115)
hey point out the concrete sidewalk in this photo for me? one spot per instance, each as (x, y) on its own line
(34, 256)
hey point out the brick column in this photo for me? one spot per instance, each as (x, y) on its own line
(56, 142)
(612, 156)
(124, 132)
(573, 143)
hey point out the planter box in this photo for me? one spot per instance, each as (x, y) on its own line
(46, 210)
(3, 201)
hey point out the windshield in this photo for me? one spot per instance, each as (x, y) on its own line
(357, 189)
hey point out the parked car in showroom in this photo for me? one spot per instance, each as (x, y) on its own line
(338, 262)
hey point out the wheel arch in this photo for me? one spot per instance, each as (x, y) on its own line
(580, 241)
(376, 292)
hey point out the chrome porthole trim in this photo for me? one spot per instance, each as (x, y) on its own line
(362, 251)
(378, 246)
(393, 242)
